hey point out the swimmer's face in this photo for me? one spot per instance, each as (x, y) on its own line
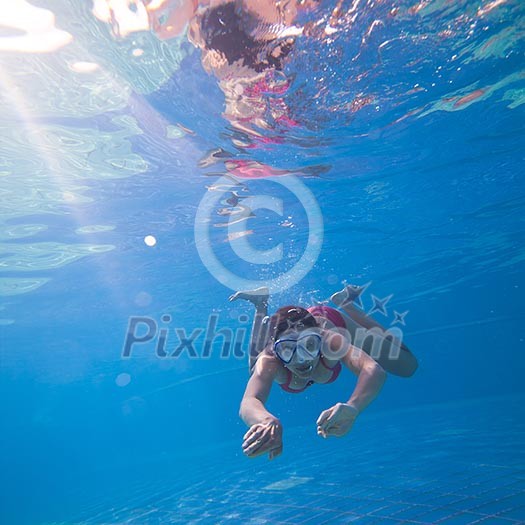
(300, 350)
(302, 367)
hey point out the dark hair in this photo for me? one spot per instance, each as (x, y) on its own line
(224, 28)
(289, 317)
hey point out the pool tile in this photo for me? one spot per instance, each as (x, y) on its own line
(463, 518)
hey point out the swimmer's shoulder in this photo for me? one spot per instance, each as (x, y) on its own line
(337, 345)
(268, 365)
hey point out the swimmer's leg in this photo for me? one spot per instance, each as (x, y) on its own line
(405, 364)
(259, 298)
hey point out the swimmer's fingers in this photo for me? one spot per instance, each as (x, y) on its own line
(265, 438)
(339, 422)
(257, 447)
(323, 420)
(331, 429)
(276, 437)
(253, 434)
(263, 443)
(275, 452)
(274, 445)
(324, 417)
(329, 420)
(334, 430)
(258, 429)
(255, 438)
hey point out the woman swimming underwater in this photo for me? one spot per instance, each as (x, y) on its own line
(297, 348)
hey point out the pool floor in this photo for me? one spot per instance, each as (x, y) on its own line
(460, 463)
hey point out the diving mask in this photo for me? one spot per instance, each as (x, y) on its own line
(307, 342)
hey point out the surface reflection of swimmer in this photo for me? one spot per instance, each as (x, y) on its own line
(246, 45)
(241, 169)
(237, 214)
(255, 34)
(297, 348)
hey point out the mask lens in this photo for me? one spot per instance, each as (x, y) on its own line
(310, 344)
(285, 349)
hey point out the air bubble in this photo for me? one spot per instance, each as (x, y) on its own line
(123, 379)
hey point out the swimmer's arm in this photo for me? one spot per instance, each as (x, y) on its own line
(252, 409)
(371, 377)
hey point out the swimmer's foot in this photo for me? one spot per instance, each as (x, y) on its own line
(258, 297)
(349, 294)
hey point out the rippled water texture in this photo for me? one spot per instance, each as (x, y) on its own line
(83, 86)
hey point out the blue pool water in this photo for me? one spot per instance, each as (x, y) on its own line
(391, 152)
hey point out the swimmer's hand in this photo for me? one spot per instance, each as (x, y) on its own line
(262, 438)
(337, 421)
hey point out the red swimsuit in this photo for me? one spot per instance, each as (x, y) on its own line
(337, 319)
(335, 372)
